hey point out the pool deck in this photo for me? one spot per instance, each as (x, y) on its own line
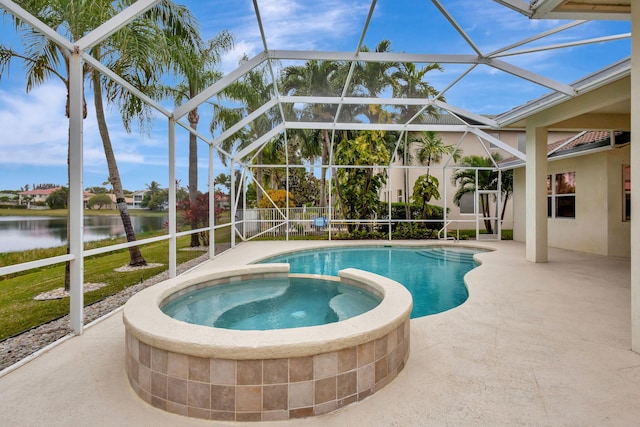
(535, 344)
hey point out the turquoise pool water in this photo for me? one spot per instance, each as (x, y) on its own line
(433, 275)
(271, 303)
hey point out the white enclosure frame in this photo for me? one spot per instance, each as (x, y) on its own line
(468, 120)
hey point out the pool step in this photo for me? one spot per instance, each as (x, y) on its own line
(347, 305)
(444, 254)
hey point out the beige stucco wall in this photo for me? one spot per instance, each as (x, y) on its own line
(619, 231)
(598, 226)
(470, 145)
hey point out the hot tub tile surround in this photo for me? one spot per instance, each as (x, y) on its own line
(212, 384)
(272, 389)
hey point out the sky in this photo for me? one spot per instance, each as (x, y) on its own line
(34, 130)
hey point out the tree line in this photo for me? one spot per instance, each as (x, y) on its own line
(164, 45)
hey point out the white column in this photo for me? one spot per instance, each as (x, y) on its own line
(635, 176)
(536, 194)
(212, 203)
(173, 258)
(76, 193)
(232, 193)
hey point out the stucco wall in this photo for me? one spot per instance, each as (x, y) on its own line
(469, 146)
(619, 241)
(598, 226)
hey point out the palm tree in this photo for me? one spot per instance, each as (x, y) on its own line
(129, 52)
(153, 188)
(430, 149)
(195, 64)
(409, 82)
(43, 59)
(252, 91)
(372, 79)
(138, 53)
(465, 179)
(317, 78)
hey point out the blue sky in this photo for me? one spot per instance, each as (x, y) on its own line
(33, 129)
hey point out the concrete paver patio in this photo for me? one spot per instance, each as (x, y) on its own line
(535, 344)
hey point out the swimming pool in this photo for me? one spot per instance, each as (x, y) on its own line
(434, 275)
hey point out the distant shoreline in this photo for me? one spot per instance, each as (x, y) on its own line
(87, 212)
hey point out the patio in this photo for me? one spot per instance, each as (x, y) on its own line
(535, 344)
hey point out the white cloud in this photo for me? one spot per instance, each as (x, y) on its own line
(34, 127)
(300, 24)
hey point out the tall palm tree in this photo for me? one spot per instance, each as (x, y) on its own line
(319, 78)
(129, 52)
(138, 53)
(43, 59)
(409, 82)
(195, 64)
(252, 91)
(373, 79)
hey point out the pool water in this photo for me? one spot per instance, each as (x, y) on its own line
(433, 275)
(271, 303)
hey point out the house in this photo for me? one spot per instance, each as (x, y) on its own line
(588, 193)
(222, 200)
(466, 144)
(136, 199)
(39, 195)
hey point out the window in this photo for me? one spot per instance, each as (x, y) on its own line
(626, 182)
(467, 203)
(399, 196)
(561, 195)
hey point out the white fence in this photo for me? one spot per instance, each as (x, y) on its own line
(303, 222)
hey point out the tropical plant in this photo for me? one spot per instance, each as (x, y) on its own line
(430, 149)
(135, 52)
(487, 179)
(138, 53)
(195, 64)
(408, 81)
(316, 78)
(360, 185)
(252, 91)
(153, 188)
(425, 189)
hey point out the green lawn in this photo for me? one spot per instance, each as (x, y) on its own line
(20, 312)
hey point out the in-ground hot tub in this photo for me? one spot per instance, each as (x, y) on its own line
(253, 375)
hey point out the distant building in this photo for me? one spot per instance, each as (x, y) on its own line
(37, 195)
(136, 199)
(41, 195)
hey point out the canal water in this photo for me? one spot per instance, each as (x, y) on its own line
(19, 233)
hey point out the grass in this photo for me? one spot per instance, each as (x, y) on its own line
(20, 312)
(471, 234)
(11, 258)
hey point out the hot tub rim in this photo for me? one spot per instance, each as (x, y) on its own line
(145, 321)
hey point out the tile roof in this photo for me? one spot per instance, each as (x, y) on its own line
(585, 142)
